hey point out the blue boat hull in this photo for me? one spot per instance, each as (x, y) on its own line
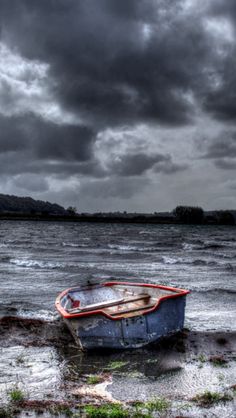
(98, 331)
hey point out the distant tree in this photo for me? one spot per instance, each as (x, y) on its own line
(225, 217)
(189, 214)
(72, 210)
(27, 205)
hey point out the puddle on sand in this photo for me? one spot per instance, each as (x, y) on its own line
(184, 383)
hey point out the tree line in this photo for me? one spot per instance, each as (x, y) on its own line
(196, 215)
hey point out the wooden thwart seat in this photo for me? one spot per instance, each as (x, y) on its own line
(96, 306)
(137, 308)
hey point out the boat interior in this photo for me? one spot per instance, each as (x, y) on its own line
(115, 300)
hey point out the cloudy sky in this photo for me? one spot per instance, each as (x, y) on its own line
(119, 105)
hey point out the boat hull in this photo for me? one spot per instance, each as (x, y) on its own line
(99, 331)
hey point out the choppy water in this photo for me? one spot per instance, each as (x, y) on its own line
(40, 259)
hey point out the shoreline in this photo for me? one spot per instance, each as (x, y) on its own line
(103, 219)
(165, 370)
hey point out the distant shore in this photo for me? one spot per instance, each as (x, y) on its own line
(15, 208)
(114, 218)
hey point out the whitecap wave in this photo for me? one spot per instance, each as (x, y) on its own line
(124, 247)
(4, 245)
(171, 260)
(74, 245)
(35, 263)
(187, 246)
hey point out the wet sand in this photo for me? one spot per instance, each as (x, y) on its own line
(42, 359)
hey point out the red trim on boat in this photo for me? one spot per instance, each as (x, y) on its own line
(177, 293)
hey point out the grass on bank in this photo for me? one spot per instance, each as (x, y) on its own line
(208, 398)
(20, 359)
(106, 411)
(157, 404)
(218, 361)
(116, 365)
(140, 414)
(16, 395)
(145, 409)
(140, 409)
(5, 412)
(94, 379)
(60, 410)
(202, 358)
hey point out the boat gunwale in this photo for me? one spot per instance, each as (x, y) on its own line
(65, 314)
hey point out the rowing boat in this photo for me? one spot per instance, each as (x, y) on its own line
(121, 314)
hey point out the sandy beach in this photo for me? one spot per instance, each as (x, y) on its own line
(42, 360)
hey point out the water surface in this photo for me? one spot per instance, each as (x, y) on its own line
(40, 259)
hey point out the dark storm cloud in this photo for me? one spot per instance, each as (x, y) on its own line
(12, 134)
(45, 139)
(223, 146)
(226, 164)
(15, 163)
(30, 144)
(63, 142)
(7, 95)
(131, 9)
(220, 99)
(224, 8)
(106, 64)
(116, 65)
(138, 164)
(135, 164)
(222, 150)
